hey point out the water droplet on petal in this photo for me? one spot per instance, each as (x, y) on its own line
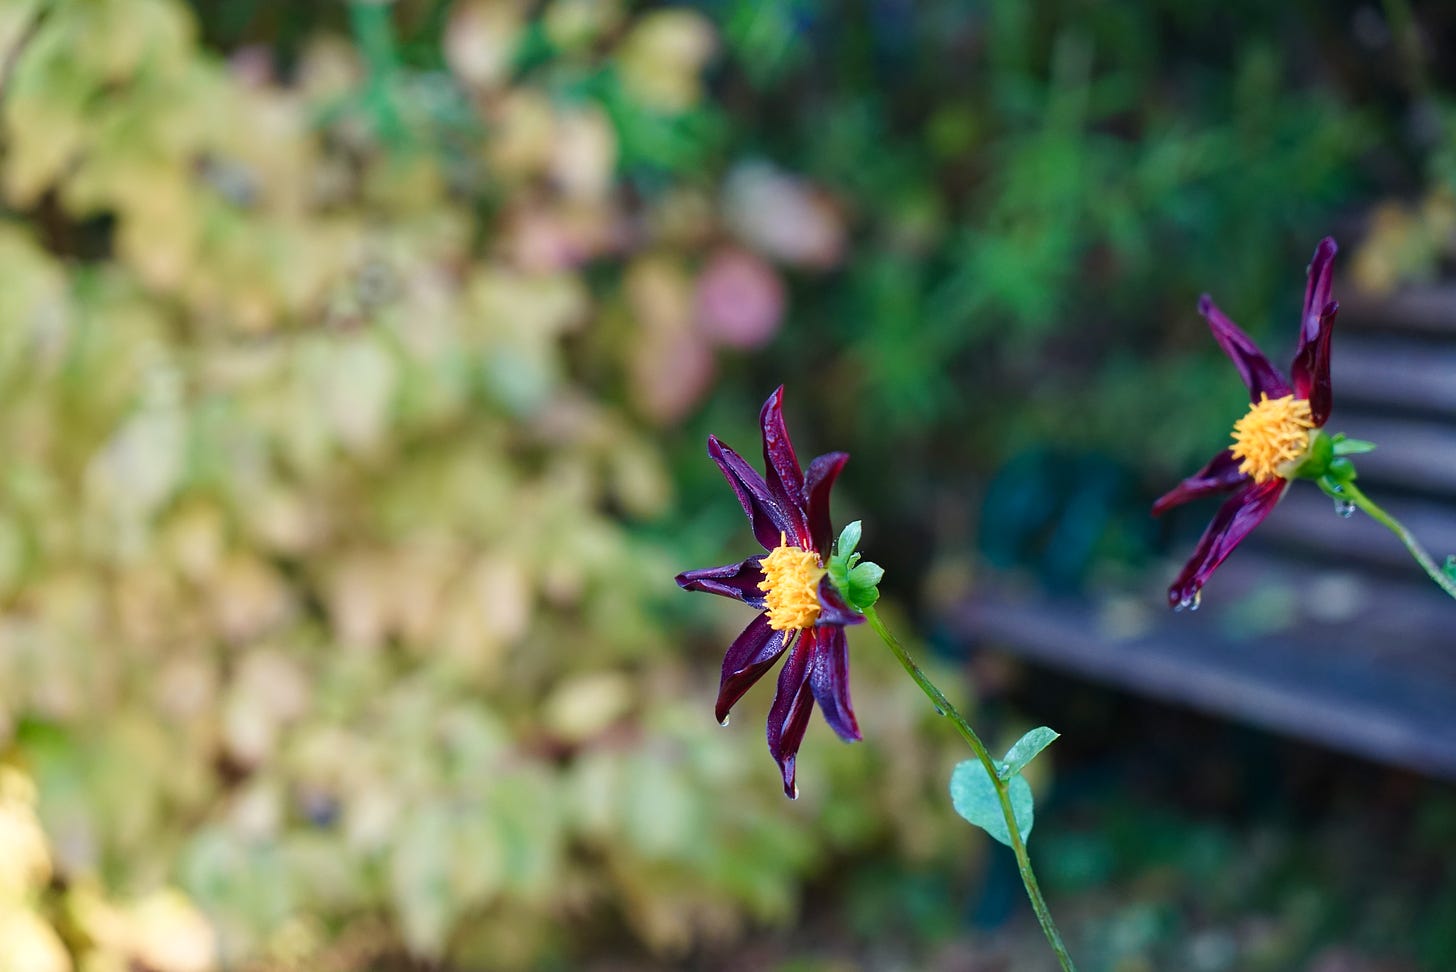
(1190, 603)
(723, 721)
(796, 792)
(1344, 508)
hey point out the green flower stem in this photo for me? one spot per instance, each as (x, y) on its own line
(1018, 846)
(1350, 490)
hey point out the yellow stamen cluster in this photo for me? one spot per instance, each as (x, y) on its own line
(791, 578)
(1273, 437)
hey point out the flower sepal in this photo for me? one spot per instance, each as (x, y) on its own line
(1327, 460)
(858, 582)
(1346, 446)
(1339, 473)
(1317, 458)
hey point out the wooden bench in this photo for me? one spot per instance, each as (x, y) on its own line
(1318, 626)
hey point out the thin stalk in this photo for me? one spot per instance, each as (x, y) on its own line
(1442, 579)
(1003, 794)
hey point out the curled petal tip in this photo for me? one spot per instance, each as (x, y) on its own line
(1239, 515)
(741, 581)
(774, 403)
(1318, 271)
(1259, 375)
(791, 786)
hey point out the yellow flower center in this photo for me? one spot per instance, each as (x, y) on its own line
(1273, 437)
(791, 578)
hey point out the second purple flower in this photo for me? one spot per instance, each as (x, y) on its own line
(1272, 440)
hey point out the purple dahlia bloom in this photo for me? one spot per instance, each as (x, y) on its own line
(1272, 439)
(803, 615)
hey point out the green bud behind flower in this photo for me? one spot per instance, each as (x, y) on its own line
(857, 582)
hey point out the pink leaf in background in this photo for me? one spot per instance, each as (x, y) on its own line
(739, 299)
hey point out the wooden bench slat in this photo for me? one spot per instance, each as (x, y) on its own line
(1363, 684)
(1416, 454)
(1422, 308)
(1404, 374)
(1305, 521)
(1318, 627)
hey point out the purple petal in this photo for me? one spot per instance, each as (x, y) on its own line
(1311, 368)
(1240, 514)
(1317, 289)
(833, 609)
(752, 653)
(739, 581)
(822, 473)
(829, 681)
(1220, 475)
(1258, 374)
(785, 478)
(765, 515)
(792, 705)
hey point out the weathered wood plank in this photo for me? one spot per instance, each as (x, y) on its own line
(1410, 375)
(1422, 309)
(1415, 454)
(1319, 626)
(1358, 683)
(1305, 523)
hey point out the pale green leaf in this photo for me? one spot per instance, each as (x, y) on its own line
(973, 794)
(1026, 748)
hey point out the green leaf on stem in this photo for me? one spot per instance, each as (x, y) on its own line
(1025, 750)
(1449, 567)
(973, 794)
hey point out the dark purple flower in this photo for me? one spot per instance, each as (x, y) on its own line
(1272, 439)
(803, 614)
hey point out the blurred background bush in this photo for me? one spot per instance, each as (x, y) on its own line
(355, 364)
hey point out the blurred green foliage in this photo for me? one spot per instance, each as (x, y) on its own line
(1034, 197)
(324, 602)
(354, 366)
